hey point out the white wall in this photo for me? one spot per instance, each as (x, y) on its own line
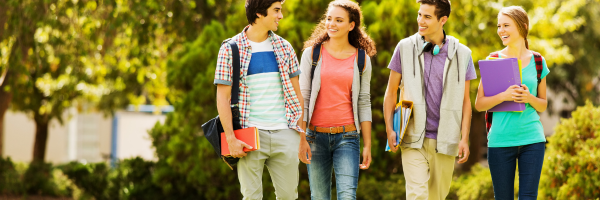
(19, 134)
(93, 134)
(133, 138)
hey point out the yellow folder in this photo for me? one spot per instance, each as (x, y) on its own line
(401, 118)
(405, 117)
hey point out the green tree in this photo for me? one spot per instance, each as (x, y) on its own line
(48, 67)
(187, 166)
(70, 53)
(580, 77)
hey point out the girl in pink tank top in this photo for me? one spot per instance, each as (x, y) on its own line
(337, 102)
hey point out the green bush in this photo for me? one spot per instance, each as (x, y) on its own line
(93, 179)
(135, 177)
(131, 179)
(33, 179)
(39, 179)
(477, 184)
(370, 188)
(10, 183)
(571, 169)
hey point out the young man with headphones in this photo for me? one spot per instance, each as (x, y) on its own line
(435, 70)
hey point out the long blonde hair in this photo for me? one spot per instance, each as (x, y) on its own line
(518, 14)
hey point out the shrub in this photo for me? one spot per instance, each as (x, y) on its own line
(18, 179)
(10, 183)
(39, 179)
(571, 169)
(477, 184)
(392, 187)
(135, 178)
(93, 179)
(131, 179)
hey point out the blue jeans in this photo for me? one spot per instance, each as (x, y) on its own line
(503, 161)
(338, 152)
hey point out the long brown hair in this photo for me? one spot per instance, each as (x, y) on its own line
(358, 37)
(518, 14)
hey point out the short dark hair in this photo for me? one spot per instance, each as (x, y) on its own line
(258, 6)
(442, 7)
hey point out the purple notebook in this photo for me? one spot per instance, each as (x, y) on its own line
(496, 76)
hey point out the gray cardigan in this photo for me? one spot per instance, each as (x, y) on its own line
(455, 70)
(361, 100)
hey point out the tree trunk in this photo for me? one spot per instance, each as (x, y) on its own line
(5, 98)
(476, 140)
(3, 18)
(41, 138)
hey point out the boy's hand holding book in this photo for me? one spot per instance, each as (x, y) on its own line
(391, 136)
(236, 147)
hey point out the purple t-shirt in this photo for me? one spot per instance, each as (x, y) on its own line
(434, 75)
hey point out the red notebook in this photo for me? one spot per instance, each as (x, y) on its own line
(247, 135)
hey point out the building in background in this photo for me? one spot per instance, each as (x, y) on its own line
(85, 137)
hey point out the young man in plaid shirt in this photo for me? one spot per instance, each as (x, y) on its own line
(269, 99)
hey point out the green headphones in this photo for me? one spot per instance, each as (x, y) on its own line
(428, 46)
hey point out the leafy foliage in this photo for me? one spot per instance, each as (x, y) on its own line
(579, 79)
(10, 183)
(35, 179)
(94, 179)
(571, 169)
(112, 53)
(477, 184)
(385, 189)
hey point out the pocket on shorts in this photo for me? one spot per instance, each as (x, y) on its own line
(310, 136)
(351, 135)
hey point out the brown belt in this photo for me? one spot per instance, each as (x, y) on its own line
(333, 130)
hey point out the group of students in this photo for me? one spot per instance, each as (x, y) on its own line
(316, 110)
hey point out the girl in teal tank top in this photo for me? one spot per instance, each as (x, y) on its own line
(516, 136)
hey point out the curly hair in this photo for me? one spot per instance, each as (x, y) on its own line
(358, 37)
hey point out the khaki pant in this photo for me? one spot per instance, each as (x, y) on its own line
(428, 174)
(279, 152)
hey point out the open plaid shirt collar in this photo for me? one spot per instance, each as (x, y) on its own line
(288, 65)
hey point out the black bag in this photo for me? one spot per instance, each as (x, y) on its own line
(213, 128)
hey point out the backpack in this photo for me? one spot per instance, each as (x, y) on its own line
(538, 67)
(213, 128)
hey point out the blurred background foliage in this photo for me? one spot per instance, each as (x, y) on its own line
(106, 54)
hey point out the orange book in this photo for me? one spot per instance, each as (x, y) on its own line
(247, 135)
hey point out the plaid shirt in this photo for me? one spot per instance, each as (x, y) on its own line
(288, 68)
